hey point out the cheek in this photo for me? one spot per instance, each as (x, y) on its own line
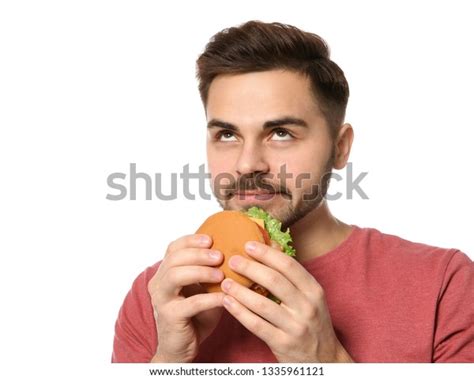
(305, 167)
(220, 167)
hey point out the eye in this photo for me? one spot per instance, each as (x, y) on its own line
(281, 135)
(225, 136)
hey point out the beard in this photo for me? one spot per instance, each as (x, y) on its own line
(292, 210)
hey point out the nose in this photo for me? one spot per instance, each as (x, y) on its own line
(251, 159)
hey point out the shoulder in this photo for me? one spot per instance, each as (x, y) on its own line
(415, 257)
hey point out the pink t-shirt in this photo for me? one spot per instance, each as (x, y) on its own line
(390, 300)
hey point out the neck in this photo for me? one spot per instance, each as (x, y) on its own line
(318, 233)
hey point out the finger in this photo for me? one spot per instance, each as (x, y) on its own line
(196, 304)
(275, 314)
(192, 256)
(176, 278)
(191, 240)
(269, 278)
(288, 266)
(252, 322)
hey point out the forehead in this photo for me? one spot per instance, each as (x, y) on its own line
(258, 96)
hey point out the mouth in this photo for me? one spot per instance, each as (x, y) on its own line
(255, 195)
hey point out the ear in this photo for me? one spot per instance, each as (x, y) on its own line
(344, 139)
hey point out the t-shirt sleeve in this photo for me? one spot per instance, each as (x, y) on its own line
(135, 331)
(454, 334)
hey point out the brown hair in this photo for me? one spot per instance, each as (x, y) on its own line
(258, 46)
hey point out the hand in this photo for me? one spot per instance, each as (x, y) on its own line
(297, 330)
(185, 315)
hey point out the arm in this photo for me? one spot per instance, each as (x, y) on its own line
(164, 316)
(454, 333)
(135, 333)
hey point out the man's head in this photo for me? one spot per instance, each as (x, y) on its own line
(275, 106)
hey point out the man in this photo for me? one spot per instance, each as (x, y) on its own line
(274, 100)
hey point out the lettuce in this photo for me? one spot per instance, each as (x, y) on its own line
(273, 227)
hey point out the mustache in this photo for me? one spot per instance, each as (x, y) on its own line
(254, 182)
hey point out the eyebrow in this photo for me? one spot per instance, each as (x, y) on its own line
(216, 123)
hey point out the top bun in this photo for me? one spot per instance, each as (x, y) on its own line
(230, 230)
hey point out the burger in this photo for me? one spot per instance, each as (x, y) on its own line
(230, 230)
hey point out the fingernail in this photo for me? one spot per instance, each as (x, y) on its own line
(226, 284)
(234, 261)
(227, 301)
(214, 254)
(250, 246)
(204, 240)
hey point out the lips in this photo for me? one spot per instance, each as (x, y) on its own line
(258, 195)
(247, 193)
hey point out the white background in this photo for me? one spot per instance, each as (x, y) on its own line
(88, 87)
